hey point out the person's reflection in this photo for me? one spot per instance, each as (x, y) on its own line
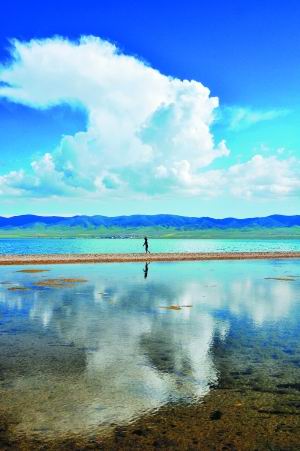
(145, 270)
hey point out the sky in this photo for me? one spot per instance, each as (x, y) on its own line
(129, 107)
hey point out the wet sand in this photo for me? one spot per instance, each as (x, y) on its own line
(141, 257)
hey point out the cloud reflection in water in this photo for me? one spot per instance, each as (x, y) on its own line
(86, 356)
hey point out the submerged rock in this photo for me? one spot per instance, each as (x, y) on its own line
(32, 271)
(216, 415)
(18, 288)
(59, 282)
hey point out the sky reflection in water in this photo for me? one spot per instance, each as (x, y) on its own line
(92, 246)
(105, 351)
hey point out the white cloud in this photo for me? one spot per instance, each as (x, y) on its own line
(146, 134)
(265, 177)
(261, 177)
(9, 183)
(138, 118)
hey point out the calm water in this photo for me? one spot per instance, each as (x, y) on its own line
(87, 355)
(89, 245)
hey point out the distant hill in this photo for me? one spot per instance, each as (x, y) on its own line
(162, 225)
(25, 221)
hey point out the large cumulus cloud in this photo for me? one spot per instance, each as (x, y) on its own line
(145, 131)
(146, 134)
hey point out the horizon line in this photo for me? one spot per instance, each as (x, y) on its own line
(142, 214)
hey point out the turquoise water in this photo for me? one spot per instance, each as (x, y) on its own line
(82, 246)
(83, 356)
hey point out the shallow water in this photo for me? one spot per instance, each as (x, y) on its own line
(91, 245)
(80, 357)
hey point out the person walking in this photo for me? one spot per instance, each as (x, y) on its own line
(146, 246)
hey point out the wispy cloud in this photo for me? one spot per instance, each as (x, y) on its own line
(238, 118)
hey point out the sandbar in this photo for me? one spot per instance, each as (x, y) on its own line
(45, 259)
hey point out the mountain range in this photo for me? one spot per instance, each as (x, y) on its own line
(149, 221)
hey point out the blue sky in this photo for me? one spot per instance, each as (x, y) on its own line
(123, 122)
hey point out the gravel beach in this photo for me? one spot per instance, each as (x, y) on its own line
(163, 257)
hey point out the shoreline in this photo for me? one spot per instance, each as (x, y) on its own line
(45, 259)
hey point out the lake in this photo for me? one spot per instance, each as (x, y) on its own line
(90, 245)
(88, 349)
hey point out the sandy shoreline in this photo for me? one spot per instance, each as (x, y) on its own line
(157, 257)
